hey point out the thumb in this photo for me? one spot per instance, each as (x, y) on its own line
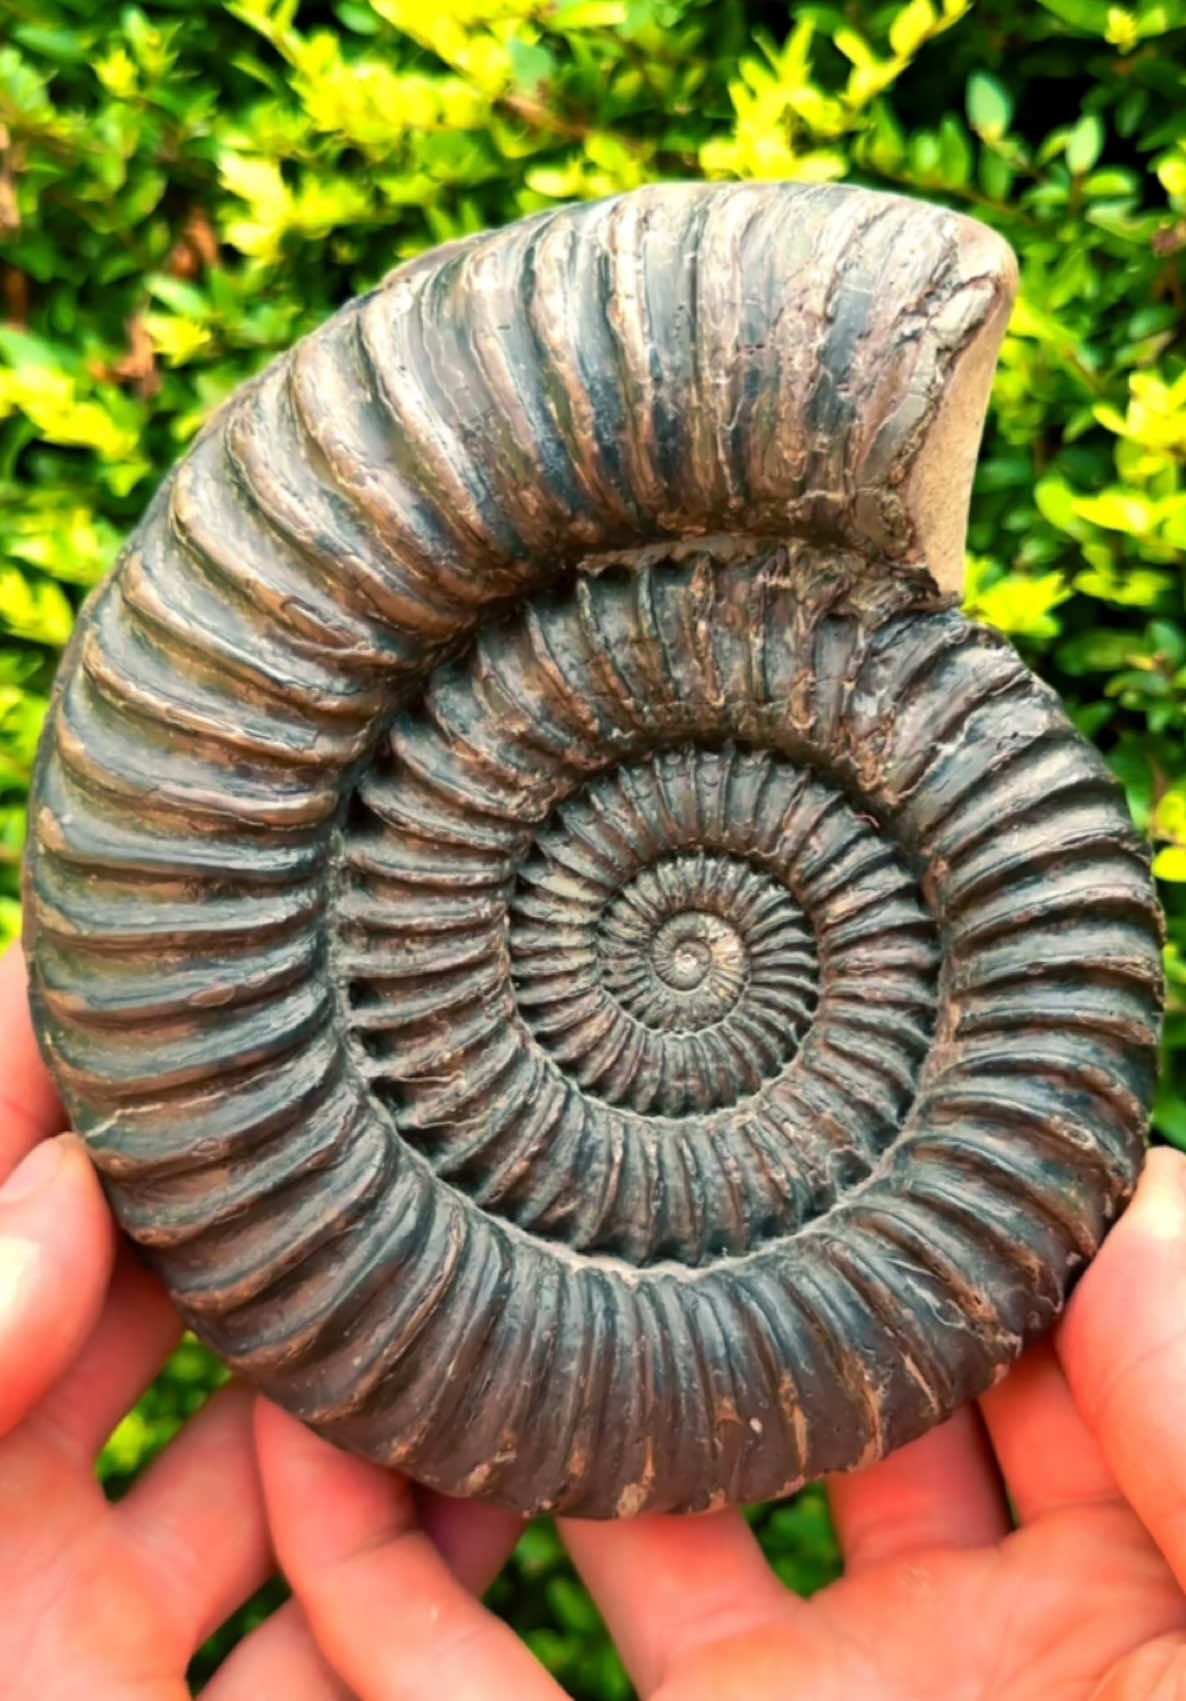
(56, 1247)
(1123, 1348)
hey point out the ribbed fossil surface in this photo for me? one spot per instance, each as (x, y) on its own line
(588, 977)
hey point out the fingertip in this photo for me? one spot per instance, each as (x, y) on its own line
(290, 1451)
(55, 1190)
(274, 1428)
(1048, 1456)
(30, 1108)
(667, 1584)
(474, 1539)
(287, 1451)
(76, 1171)
(940, 1491)
(320, 1499)
(14, 975)
(1122, 1346)
(385, 1609)
(1158, 1208)
(57, 1245)
(1124, 1284)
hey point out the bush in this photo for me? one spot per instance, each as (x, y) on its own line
(186, 188)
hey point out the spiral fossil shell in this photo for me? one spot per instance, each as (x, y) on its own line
(589, 978)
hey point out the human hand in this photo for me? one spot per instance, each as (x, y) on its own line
(942, 1599)
(939, 1598)
(107, 1602)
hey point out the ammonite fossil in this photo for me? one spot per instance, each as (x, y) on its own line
(588, 977)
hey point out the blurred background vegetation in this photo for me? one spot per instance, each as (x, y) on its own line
(188, 185)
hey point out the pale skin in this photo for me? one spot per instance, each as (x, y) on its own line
(942, 1597)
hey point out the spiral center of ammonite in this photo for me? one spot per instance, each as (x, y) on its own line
(684, 966)
(688, 949)
(669, 980)
(672, 945)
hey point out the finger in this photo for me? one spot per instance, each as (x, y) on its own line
(1049, 1458)
(279, 1659)
(383, 1605)
(940, 1491)
(29, 1107)
(475, 1540)
(1122, 1346)
(56, 1247)
(668, 1585)
(1156, 1671)
(197, 1517)
(137, 1330)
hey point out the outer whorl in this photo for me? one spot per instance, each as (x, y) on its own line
(587, 976)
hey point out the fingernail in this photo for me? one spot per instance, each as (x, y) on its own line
(38, 1170)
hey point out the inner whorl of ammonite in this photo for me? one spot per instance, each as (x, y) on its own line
(670, 982)
(688, 936)
(624, 962)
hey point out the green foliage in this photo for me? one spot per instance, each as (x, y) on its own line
(188, 185)
(180, 1391)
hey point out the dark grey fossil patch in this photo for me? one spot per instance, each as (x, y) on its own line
(588, 977)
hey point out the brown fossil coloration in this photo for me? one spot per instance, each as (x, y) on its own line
(588, 977)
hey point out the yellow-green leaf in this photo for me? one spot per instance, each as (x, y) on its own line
(1170, 863)
(911, 27)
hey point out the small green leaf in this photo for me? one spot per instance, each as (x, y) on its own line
(996, 176)
(1169, 817)
(1090, 16)
(1172, 173)
(1019, 603)
(1113, 183)
(989, 106)
(572, 1606)
(10, 921)
(1096, 651)
(1135, 587)
(34, 608)
(1056, 503)
(178, 339)
(1117, 510)
(590, 15)
(955, 151)
(1169, 1114)
(925, 156)
(1085, 144)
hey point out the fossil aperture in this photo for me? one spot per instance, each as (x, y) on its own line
(588, 977)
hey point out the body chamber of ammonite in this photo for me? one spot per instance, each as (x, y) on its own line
(588, 977)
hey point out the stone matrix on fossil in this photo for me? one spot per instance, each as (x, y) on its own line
(588, 977)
